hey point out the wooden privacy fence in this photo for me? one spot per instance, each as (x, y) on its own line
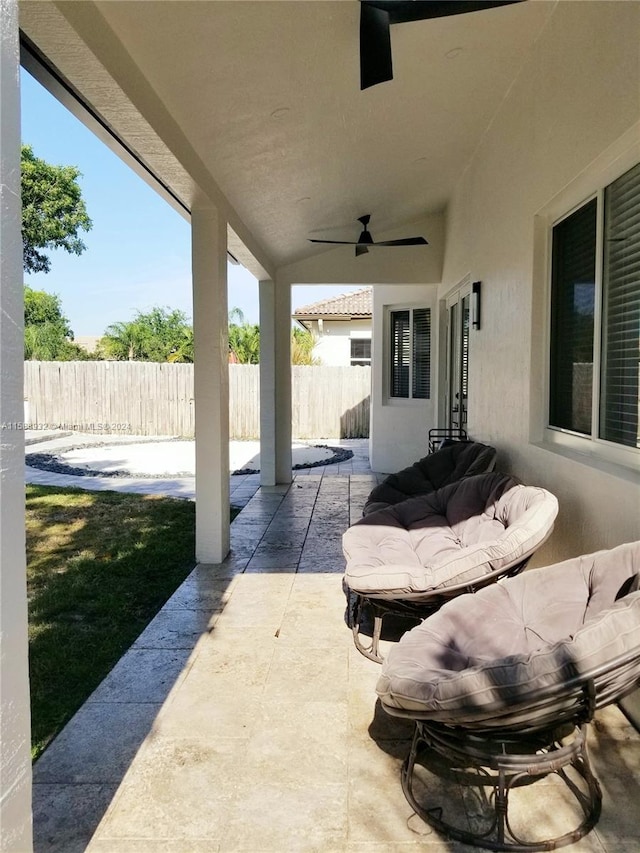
(145, 398)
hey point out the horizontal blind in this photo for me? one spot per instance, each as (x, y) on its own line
(572, 320)
(619, 408)
(421, 385)
(400, 353)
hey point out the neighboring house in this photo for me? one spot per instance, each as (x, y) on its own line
(341, 326)
(88, 342)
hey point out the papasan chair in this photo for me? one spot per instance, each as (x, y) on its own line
(408, 559)
(455, 460)
(503, 683)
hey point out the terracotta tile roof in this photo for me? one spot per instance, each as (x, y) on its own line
(356, 304)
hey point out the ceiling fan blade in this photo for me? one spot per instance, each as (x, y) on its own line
(365, 240)
(403, 11)
(376, 17)
(375, 46)
(340, 242)
(405, 241)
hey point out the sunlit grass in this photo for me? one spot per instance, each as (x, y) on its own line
(99, 567)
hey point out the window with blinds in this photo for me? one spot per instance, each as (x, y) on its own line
(410, 337)
(621, 311)
(594, 387)
(420, 385)
(573, 283)
(400, 353)
(360, 352)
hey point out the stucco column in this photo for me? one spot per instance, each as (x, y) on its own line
(15, 734)
(211, 383)
(275, 383)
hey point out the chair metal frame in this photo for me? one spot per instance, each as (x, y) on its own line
(518, 745)
(439, 435)
(416, 606)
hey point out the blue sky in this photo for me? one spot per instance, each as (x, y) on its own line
(138, 252)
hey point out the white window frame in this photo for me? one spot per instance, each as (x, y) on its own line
(410, 400)
(360, 362)
(621, 157)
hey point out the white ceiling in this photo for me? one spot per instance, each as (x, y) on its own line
(266, 98)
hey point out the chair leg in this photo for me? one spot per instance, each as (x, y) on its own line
(498, 767)
(371, 612)
(372, 649)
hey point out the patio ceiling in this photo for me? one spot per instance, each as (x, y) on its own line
(258, 106)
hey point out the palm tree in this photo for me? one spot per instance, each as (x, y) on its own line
(124, 341)
(302, 344)
(244, 339)
(183, 353)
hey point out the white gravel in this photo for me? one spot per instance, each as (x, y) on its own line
(176, 457)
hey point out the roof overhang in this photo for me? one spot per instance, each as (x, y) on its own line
(255, 108)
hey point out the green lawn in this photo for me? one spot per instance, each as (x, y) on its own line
(99, 567)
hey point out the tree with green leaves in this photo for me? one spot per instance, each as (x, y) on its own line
(153, 336)
(123, 341)
(244, 342)
(53, 211)
(47, 335)
(184, 352)
(244, 339)
(302, 344)
(42, 308)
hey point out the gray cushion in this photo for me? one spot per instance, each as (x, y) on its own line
(452, 536)
(483, 653)
(453, 462)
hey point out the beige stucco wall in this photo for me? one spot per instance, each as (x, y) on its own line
(399, 428)
(412, 264)
(333, 346)
(577, 95)
(15, 758)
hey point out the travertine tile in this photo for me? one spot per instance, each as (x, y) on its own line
(286, 529)
(154, 845)
(203, 590)
(378, 810)
(65, 817)
(299, 743)
(310, 564)
(176, 628)
(312, 673)
(97, 745)
(178, 788)
(230, 712)
(270, 818)
(275, 558)
(424, 843)
(258, 600)
(143, 675)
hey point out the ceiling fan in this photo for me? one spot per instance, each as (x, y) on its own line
(365, 240)
(376, 16)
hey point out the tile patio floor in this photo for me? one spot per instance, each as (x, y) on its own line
(243, 719)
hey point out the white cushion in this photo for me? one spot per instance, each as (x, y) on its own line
(457, 534)
(487, 653)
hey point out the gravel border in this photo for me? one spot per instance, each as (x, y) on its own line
(51, 462)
